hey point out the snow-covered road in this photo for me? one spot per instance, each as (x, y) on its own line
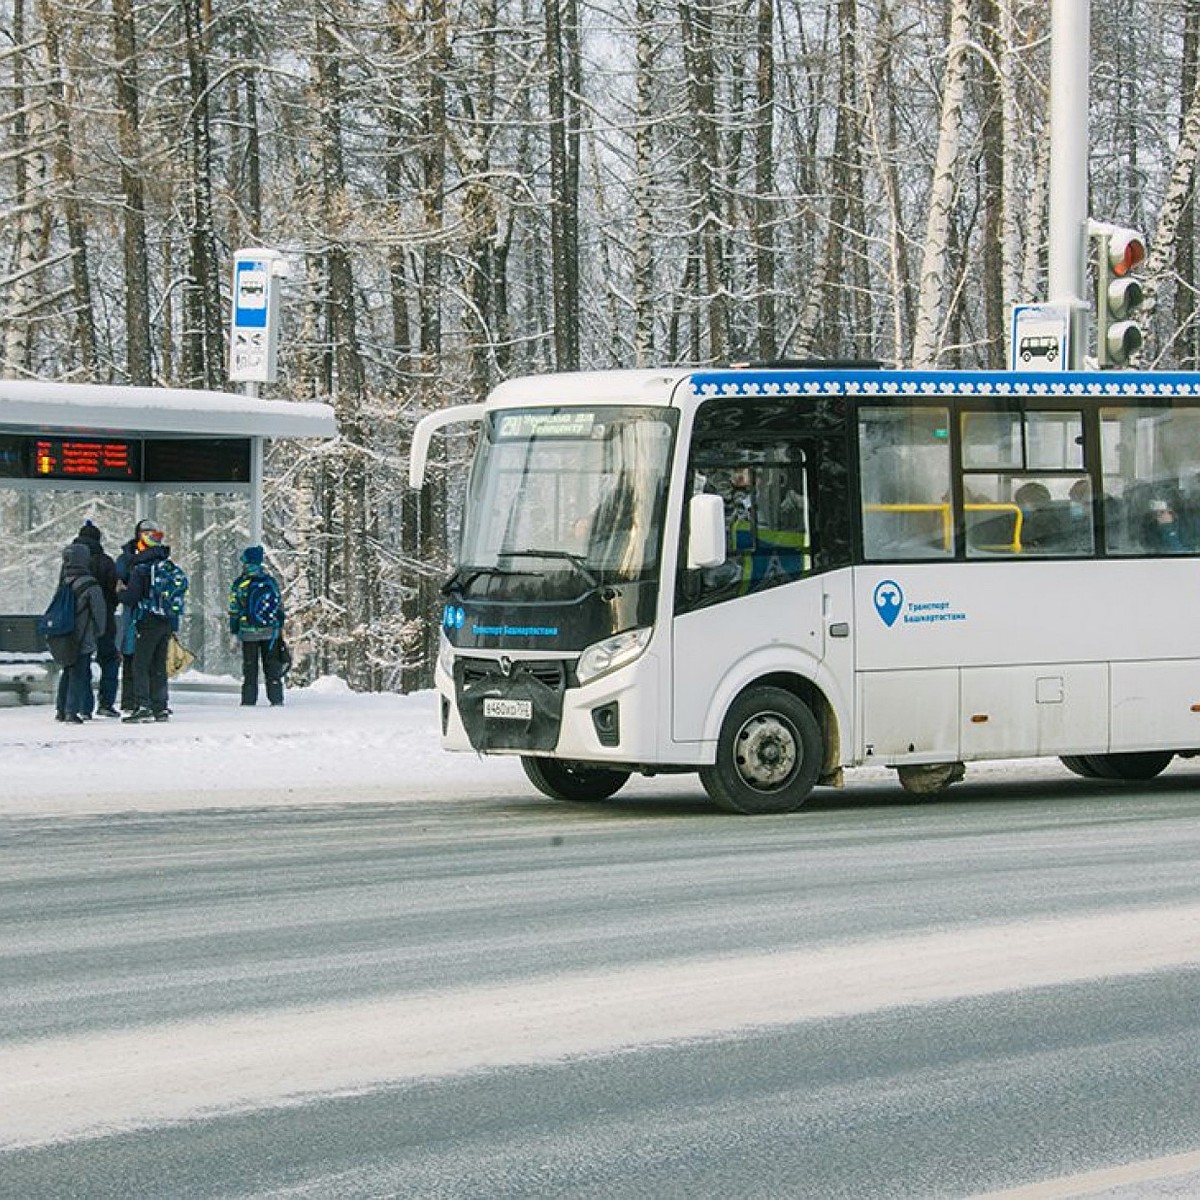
(313, 921)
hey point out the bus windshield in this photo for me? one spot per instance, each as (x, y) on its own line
(573, 495)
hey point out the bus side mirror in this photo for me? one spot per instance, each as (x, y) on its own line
(706, 523)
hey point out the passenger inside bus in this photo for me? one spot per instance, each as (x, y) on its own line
(1162, 531)
(1037, 519)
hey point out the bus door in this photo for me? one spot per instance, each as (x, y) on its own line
(774, 604)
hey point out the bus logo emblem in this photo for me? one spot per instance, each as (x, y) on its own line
(889, 599)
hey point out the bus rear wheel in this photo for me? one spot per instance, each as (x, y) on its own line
(1130, 767)
(769, 754)
(575, 781)
(1082, 765)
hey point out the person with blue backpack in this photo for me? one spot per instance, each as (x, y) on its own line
(107, 655)
(154, 598)
(72, 626)
(256, 620)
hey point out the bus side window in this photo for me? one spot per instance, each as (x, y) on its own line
(1049, 515)
(904, 469)
(767, 523)
(1151, 465)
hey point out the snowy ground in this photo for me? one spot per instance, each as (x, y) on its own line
(326, 741)
(325, 737)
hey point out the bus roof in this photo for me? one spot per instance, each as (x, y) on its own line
(662, 387)
(1056, 384)
(590, 387)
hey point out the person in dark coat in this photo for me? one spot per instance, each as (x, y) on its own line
(104, 571)
(261, 637)
(151, 631)
(74, 700)
(125, 629)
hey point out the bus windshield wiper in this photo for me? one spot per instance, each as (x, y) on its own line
(463, 577)
(576, 560)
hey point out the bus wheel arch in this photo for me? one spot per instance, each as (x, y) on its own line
(771, 751)
(820, 707)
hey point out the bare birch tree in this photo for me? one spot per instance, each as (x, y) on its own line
(935, 260)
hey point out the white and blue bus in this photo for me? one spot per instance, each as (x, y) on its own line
(769, 575)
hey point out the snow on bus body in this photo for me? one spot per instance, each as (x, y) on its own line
(932, 619)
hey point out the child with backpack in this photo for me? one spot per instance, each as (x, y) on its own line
(154, 598)
(256, 620)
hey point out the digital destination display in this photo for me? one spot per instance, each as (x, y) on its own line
(543, 423)
(54, 456)
(198, 460)
(86, 458)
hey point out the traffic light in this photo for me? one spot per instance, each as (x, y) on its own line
(1119, 252)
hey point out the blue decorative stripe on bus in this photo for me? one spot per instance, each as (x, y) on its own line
(812, 382)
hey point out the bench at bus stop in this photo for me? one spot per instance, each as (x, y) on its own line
(30, 676)
(27, 672)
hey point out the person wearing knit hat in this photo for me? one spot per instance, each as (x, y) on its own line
(125, 629)
(108, 657)
(73, 702)
(256, 620)
(153, 598)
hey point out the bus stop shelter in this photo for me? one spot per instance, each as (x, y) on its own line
(190, 460)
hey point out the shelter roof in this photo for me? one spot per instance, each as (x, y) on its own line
(54, 407)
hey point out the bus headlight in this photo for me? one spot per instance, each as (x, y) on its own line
(611, 653)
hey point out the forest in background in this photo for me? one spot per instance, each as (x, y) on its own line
(472, 190)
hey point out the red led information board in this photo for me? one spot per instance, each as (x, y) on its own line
(85, 458)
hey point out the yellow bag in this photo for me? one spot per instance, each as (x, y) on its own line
(179, 657)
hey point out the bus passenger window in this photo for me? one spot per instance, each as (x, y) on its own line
(1048, 515)
(1151, 460)
(904, 471)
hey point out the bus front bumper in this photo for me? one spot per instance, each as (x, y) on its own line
(615, 718)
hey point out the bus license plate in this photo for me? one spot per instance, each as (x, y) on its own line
(508, 710)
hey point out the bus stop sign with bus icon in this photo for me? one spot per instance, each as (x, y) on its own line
(254, 330)
(1040, 337)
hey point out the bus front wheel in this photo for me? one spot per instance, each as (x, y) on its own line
(577, 781)
(769, 754)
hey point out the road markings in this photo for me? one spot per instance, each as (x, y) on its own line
(1094, 1183)
(91, 1084)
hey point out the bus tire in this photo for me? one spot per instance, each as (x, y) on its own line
(769, 754)
(1081, 765)
(1131, 766)
(575, 781)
